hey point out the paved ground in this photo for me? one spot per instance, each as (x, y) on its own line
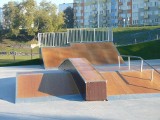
(128, 109)
(136, 109)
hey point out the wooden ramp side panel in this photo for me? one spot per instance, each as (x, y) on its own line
(96, 53)
(33, 85)
(91, 84)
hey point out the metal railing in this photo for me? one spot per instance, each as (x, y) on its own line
(75, 36)
(141, 66)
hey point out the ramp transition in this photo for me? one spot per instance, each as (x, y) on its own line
(96, 53)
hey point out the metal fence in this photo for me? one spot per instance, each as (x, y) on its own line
(75, 36)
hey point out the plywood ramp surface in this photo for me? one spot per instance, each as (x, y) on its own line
(96, 53)
(57, 83)
(133, 82)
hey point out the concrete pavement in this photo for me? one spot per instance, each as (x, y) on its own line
(66, 109)
(136, 109)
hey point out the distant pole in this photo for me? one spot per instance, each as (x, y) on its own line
(124, 25)
(13, 52)
(98, 13)
(31, 53)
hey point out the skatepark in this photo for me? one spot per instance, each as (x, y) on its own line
(82, 71)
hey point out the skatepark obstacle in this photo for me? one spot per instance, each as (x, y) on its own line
(97, 53)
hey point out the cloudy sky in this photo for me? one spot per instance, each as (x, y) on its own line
(57, 2)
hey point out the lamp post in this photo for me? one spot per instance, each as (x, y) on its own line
(128, 21)
(98, 13)
(124, 24)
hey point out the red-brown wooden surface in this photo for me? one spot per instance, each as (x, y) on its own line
(48, 84)
(133, 82)
(96, 53)
(90, 82)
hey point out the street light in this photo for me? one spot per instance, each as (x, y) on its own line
(98, 13)
(128, 21)
(124, 20)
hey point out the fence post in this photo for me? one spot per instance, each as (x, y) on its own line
(67, 36)
(135, 41)
(141, 65)
(108, 34)
(119, 62)
(129, 63)
(152, 73)
(94, 35)
(31, 53)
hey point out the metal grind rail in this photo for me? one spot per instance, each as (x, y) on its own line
(141, 66)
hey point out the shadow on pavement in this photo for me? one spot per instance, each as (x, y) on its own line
(7, 89)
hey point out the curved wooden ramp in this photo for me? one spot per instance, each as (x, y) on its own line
(90, 83)
(96, 53)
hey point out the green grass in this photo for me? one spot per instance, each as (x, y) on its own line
(128, 35)
(8, 62)
(147, 50)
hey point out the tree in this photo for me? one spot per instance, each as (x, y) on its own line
(47, 18)
(28, 17)
(69, 21)
(12, 17)
(28, 9)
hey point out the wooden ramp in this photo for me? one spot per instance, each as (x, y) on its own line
(132, 82)
(96, 53)
(44, 85)
(89, 81)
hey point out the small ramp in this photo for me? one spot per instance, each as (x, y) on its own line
(97, 53)
(131, 84)
(75, 76)
(42, 86)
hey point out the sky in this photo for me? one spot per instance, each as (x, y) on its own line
(57, 2)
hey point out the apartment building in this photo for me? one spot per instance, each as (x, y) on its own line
(1, 17)
(116, 13)
(63, 6)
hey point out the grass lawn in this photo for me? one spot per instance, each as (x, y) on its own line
(8, 62)
(147, 50)
(129, 35)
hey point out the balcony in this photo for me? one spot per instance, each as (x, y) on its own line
(146, 16)
(94, 2)
(94, 22)
(146, 0)
(120, 11)
(104, 14)
(104, 1)
(120, 3)
(129, 3)
(94, 15)
(94, 8)
(104, 7)
(129, 11)
(120, 18)
(104, 21)
(75, 17)
(74, 4)
(146, 8)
